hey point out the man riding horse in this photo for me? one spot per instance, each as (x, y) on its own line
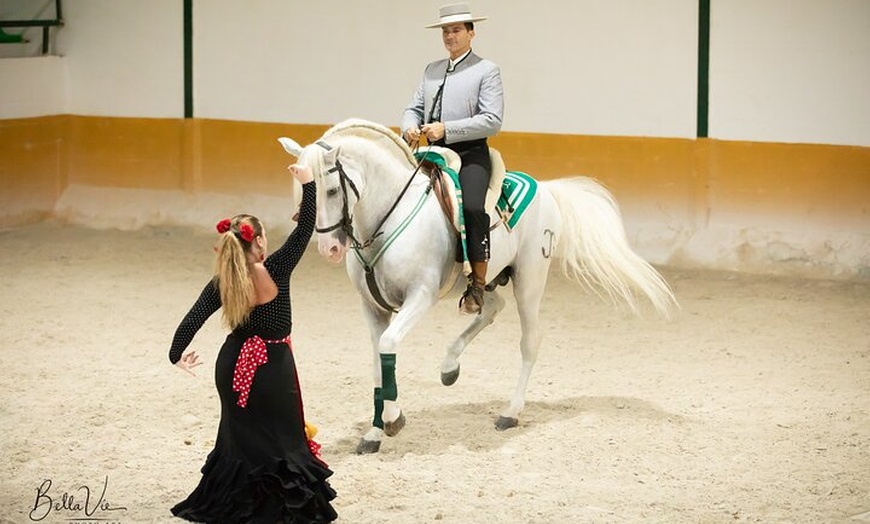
(458, 104)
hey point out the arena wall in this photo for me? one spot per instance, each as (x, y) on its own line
(95, 134)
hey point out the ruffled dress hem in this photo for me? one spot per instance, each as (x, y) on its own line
(232, 492)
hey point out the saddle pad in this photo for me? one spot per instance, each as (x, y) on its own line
(518, 189)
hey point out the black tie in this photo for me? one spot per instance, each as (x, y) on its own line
(435, 113)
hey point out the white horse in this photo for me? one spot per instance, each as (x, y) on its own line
(372, 199)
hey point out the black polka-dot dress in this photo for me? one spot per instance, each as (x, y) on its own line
(262, 469)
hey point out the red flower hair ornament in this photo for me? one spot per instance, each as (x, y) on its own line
(246, 232)
(223, 226)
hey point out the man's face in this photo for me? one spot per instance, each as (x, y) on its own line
(457, 39)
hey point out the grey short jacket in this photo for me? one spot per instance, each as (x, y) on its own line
(472, 100)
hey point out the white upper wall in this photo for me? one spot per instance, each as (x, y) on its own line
(308, 62)
(124, 57)
(31, 87)
(790, 71)
(780, 70)
(621, 67)
(624, 67)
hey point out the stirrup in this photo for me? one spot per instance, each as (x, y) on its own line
(471, 302)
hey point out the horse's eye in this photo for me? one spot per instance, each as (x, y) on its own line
(332, 192)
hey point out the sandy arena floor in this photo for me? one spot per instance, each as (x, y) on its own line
(751, 405)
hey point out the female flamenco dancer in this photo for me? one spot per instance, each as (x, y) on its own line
(263, 469)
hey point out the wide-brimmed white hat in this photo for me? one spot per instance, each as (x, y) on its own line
(455, 14)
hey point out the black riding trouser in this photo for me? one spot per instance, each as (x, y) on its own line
(474, 181)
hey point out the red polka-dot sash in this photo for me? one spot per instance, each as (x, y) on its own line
(252, 355)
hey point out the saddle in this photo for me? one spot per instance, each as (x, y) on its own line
(445, 182)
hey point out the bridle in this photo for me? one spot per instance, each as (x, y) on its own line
(345, 223)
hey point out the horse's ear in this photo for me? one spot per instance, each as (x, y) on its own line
(331, 155)
(290, 146)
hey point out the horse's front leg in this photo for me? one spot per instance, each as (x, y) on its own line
(388, 418)
(378, 320)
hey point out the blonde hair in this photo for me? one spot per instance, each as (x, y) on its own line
(231, 273)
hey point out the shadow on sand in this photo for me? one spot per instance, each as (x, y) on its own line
(472, 425)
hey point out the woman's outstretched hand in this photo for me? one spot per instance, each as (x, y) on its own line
(188, 362)
(301, 172)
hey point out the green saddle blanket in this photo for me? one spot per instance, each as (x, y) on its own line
(518, 189)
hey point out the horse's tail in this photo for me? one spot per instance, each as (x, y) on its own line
(594, 250)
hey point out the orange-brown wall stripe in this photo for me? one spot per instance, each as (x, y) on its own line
(130, 153)
(690, 180)
(33, 168)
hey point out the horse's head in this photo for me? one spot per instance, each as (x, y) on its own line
(367, 148)
(337, 193)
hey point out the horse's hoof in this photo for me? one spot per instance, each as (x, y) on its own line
(391, 429)
(504, 423)
(448, 379)
(367, 447)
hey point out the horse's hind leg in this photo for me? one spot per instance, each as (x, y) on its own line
(529, 291)
(493, 303)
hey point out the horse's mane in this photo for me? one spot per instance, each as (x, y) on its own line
(371, 130)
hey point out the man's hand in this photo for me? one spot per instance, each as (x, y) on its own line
(412, 135)
(433, 131)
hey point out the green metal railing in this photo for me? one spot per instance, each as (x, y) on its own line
(45, 24)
